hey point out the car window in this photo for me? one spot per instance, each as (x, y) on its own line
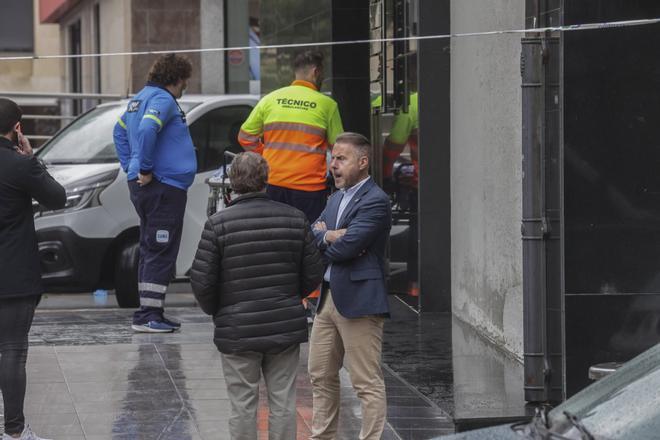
(216, 131)
(88, 139)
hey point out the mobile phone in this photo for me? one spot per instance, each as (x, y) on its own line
(19, 133)
(22, 143)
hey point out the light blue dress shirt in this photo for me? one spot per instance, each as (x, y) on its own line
(347, 196)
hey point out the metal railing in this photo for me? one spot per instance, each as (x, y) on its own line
(66, 113)
(57, 95)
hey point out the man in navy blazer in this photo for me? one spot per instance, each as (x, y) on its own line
(352, 235)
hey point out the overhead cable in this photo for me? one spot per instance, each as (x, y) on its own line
(568, 28)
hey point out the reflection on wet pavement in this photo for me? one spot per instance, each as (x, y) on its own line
(455, 367)
(91, 377)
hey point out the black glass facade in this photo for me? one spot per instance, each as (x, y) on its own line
(378, 89)
(611, 186)
(605, 142)
(395, 134)
(287, 22)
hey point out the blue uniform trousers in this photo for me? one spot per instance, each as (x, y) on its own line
(160, 208)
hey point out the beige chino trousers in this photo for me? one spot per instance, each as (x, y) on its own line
(242, 373)
(357, 344)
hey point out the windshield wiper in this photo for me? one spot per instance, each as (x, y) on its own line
(538, 428)
(62, 162)
(573, 420)
(81, 161)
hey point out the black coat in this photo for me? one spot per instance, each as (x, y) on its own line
(22, 178)
(255, 262)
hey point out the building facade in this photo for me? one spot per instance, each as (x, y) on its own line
(121, 26)
(24, 35)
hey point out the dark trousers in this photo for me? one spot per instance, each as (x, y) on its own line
(15, 321)
(160, 208)
(312, 203)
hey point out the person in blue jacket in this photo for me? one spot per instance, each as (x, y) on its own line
(156, 151)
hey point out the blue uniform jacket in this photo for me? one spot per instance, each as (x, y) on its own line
(357, 279)
(153, 136)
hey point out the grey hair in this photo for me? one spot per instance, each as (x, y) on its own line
(358, 141)
(248, 173)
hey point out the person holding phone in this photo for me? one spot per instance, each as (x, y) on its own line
(22, 178)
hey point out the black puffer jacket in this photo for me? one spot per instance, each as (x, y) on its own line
(255, 262)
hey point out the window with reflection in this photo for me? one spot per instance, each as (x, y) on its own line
(395, 124)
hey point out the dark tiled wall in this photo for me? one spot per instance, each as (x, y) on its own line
(434, 165)
(164, 25)
(351, 64)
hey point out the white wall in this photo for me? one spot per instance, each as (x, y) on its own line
(115, 37)
(212, 35)
(486, 192)
(37, 75)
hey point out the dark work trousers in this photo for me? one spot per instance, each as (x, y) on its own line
(160, 208)
(15, 321)
(312, 203)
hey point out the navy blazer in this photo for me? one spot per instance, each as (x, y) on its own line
(357, 279)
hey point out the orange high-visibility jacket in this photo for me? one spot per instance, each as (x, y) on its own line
(292, 128)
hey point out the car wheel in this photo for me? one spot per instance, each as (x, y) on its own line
(126, 272)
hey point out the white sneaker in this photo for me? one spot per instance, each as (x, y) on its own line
(27, 434)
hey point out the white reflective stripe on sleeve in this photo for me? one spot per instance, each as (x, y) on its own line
(151, 302)
(151, 287)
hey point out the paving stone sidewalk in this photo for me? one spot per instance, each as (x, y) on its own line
(91, 377)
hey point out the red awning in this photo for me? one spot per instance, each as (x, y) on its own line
(51, 11)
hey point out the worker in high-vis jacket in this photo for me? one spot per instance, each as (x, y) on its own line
(404, 132)
(294, 128)
(156, 151)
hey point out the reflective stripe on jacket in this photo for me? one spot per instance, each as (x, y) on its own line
(153, 136)
(292, 128)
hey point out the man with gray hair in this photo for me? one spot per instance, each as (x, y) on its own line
(352, 234)
(256, 260)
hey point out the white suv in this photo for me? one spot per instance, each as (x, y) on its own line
(93, 242)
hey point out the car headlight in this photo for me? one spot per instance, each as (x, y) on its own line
(82, 194)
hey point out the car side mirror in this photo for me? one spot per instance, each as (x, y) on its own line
(599, 371)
